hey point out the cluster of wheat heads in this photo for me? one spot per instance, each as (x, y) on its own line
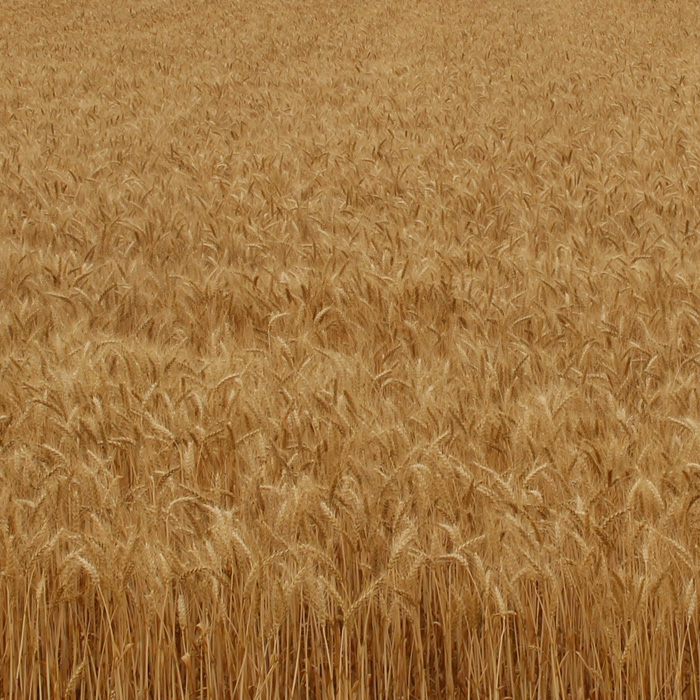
(349, 350)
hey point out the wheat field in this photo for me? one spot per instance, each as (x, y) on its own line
(349, 350)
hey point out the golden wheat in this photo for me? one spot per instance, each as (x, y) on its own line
(349, 350)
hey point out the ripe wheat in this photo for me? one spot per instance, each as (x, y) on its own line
(349, 350)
